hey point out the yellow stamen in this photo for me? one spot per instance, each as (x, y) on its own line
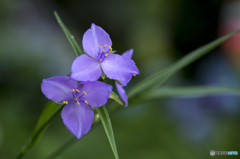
(84, 93)
(100, 46)
(110, 48)
(104, 45)
(65, 102)
(77, 90)
(78, 102)
(86, 102)
(72, 90)
(134, 74)
(103, 50)
(106, 54)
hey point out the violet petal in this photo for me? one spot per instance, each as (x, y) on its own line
(119, 68)
(122, 93)
(96, 93)
(85, 68)
(93, 38)
(77, 118)
(128, 54)
(58, 88)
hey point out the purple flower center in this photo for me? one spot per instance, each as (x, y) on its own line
(77, 96)
(103, 52)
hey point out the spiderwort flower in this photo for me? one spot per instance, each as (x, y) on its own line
(128, 55)
(77, 115)
(98, 45)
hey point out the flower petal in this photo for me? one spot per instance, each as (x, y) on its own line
(125, 82)
(119, 68)
(77, 118)
(122, 93)
(58, 88)
(97, 93)
(93, 38)
(128, 54)
(85, 68)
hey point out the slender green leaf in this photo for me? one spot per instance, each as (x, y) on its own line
(50, 108)
(50, 111)
(196, 91)
(69, 36)
(70, 142)
(102, 111)
(159, 78)
(115, 97)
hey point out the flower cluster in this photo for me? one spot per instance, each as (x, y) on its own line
(77, 115)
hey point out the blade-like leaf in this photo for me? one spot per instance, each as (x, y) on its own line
(50, 111)
(196, 91)
(70, 142)
(69, 36)
(162, 76)
(115, 97)
(102, 111)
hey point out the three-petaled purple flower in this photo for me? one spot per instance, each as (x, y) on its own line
(77, 115)
(98, 45)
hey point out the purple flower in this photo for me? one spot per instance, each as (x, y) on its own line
(77, 115)
(128, 55)
(98, 45)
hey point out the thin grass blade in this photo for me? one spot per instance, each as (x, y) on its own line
(159, 78)
(102, 111)
(196, 91)
(69, 36)
(50, 111)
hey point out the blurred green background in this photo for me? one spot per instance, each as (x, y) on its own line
(33, 47)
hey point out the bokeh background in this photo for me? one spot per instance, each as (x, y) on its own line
(33, 47)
